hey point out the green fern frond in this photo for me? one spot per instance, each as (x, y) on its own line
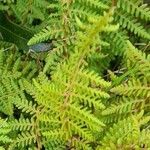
(8, 93)
(132, 95)
(4, 131)
(131, 24)
(119, 42)
(73, 92)
(12, 65)
(124, 107)
(81, 144)
(138, 11)
(85, 116)
(96, 4)
(55, 144)
(134, 87)
(29, 10)
(138, 60)
(6, 45)
(26, 106)
(46, 34)
(54, 135)
(74, 103)
(22, 124)
(125, 134)
(11, 70)
(94, 8)
(24, 139)
(82, 132)
(145, 138)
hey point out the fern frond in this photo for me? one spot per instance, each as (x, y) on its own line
(26, 106)
(54, 135)
(55, 144)
(46, 34)
(7, 94)
(22, 124)
(86, 115)
(94, 8)
(134, 87)
(124, 106)
(127, 137)
(82, 132)
(131, 24)
(6, 45)
(119, 42)
(28, 11)
(144, 138)
(24, 139)
(138, 60)
(139, 11)
(4, 130)
(81, 144)
(72, 104)
(73, 92)
(96, 4)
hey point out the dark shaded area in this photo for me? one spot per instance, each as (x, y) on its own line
(147, 1)
(36, 22)
(14, 33)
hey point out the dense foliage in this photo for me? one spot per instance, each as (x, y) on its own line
(90, 91)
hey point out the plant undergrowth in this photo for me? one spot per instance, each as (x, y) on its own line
(90, 90)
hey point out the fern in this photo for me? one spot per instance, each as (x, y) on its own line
(70, 104)
(138, 60)
(11, 71)
(132, 8)
(73, 103)
(132, 94)
(4, 131)
(29, 10)
(128, 136)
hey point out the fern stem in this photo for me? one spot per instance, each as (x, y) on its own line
(37, 132)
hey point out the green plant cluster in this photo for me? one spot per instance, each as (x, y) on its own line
(91, 91)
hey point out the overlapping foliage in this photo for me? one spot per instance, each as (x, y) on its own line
(78, 100)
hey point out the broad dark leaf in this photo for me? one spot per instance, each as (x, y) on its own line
(14, 33)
